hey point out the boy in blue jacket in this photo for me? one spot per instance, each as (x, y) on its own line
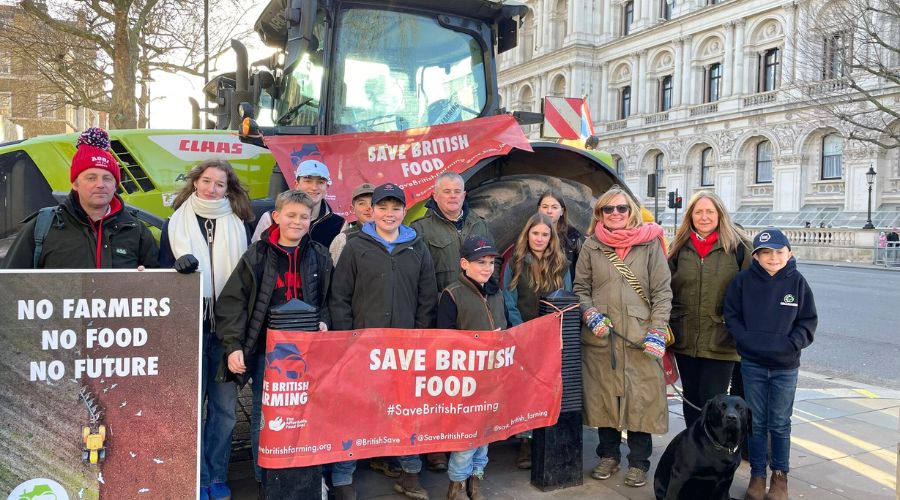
(771, 313)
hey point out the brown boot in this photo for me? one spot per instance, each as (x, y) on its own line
(778, 487)
(523, 461)
(457, 491)
(437, 462)
(409, 485)
(473, 488)
(757, 488)
(345, 492)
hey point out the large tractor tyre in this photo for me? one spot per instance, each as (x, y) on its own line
(509, 201)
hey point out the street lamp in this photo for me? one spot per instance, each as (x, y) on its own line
(870, 179)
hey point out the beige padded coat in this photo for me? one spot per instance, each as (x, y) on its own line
(632, 395)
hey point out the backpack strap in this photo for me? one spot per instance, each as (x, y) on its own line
(42, 225)
(739, 255)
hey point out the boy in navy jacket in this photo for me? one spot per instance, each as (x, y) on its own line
(771, 313)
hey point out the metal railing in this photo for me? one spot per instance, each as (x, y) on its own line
(762, 98)
(887, 255)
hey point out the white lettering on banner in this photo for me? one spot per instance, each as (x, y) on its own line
(410, 359)
(420, 149)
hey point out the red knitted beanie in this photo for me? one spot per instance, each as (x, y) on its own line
(93, 152)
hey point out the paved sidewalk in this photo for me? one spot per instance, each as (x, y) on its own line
(844, 446)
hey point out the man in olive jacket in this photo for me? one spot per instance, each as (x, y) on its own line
(91, 228)
(448, 222)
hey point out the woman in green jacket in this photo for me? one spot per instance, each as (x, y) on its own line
(707, 252)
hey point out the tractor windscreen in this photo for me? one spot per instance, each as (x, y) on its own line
(396, 70)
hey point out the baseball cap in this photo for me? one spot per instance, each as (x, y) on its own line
(476, 247)
(770, 238)
(388, 190)
(313, 168)
(364, 188)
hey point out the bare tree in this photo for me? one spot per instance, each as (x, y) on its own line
(101, 54)
(848, 54)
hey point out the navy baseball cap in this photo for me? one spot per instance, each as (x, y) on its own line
(388, 190)
(770, 238)
(476, 247)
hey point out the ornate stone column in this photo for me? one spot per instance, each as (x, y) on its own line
(604, 114)
(739, 75)
(687, 79)
(679, 72)
(642, 82)
(790, 38)
(728, 64)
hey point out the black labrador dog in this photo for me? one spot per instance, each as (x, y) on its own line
(700, 462)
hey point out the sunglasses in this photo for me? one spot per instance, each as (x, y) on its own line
(622, 209)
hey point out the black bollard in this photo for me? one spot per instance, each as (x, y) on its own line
(293, 483)
(556, 453)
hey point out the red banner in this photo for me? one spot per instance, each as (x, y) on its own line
(346, 395)
(412, 159)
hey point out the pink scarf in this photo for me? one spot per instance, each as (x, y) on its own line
(623, 239)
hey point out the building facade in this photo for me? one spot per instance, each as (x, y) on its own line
(27, 100)
(736, 96)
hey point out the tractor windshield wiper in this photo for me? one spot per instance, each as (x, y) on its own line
(290, 113)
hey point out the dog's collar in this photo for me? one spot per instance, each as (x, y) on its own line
(716, 445)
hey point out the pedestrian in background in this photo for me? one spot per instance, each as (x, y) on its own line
(210, 231)
(622, 282)
(771, 313)
(553, 205)
(707, 252)
(537, 267)
(473, 302)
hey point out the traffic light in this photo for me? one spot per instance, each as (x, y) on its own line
(678, 201)
(671, 199)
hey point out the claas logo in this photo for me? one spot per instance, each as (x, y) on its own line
(287, 361)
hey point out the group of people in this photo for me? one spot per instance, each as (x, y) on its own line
(710, 296)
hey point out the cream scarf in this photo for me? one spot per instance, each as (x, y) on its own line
(229, 239)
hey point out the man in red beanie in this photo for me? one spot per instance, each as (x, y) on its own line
(90, 228)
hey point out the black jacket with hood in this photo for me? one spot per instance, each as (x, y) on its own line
(74, 241)
(266, 277)
(377, 288)
(771, 317)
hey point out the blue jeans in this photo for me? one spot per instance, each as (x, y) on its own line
(342, 473)
(256, 386)
(770, 395)
(467, 463)
(221, 400)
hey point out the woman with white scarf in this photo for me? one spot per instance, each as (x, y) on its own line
(209, 232)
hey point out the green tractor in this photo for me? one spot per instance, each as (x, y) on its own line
(338, 67)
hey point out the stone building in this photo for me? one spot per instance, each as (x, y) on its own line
(27, 100)
(725, 95)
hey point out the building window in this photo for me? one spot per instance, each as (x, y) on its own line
(769, 70)
(46, 106)
(620, 167)
(706, 167)
(627, 18)
(764, 162)
(835, 53)
(832, 153)
(6, 104)
(658, 166)
(713, 82)
(665, 93)
(5, 63)
(665, 9)
(625, 102)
